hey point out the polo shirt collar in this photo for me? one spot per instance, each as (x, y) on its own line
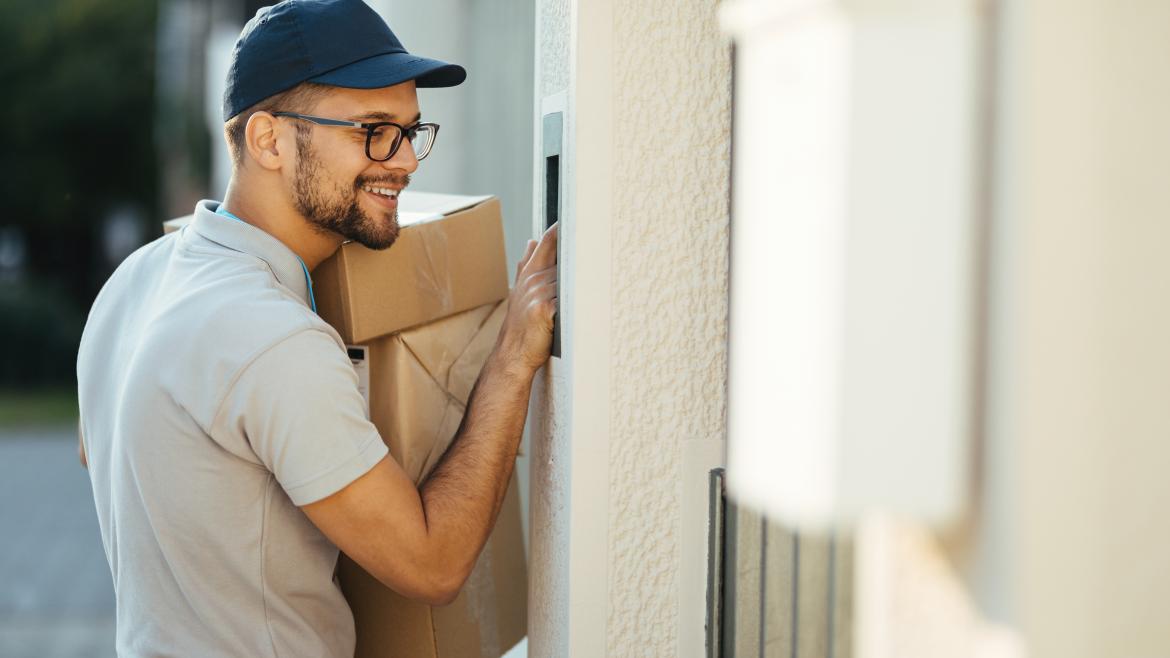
(245, 238)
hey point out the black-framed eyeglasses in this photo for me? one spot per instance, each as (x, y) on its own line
(384, 137)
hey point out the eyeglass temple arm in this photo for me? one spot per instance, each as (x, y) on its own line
(320, 120)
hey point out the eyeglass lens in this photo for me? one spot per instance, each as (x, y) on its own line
(384, 141)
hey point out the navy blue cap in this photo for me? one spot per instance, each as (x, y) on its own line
(343, 43)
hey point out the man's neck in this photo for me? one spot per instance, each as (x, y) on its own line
(279, 219)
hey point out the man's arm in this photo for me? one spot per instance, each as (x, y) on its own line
(424, 542)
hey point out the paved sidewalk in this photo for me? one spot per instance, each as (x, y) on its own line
(56, 596)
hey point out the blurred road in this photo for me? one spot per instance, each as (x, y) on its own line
(56, 596)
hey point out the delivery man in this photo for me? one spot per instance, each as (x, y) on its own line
(228, 448)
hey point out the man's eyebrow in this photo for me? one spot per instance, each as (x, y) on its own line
(382, 116)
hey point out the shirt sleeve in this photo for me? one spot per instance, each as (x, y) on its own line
(298, 406)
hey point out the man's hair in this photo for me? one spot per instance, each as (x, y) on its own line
(300, 99)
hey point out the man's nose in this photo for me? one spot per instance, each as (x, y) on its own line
(404, 158)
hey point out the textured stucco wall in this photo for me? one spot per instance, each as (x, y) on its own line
(548, 558)
(549, 415)
(554, 46)
(669, 298)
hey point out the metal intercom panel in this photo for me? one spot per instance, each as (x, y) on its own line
(552, 131)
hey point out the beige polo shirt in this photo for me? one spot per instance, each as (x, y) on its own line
(214, 402)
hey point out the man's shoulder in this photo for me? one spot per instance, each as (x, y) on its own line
(208, 318)
(171, 285)
(241, 318)
(211, 345)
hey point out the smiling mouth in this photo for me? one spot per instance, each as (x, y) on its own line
(387, 192)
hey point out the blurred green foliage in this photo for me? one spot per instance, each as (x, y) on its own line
(39, 332)
(75, 141)
(39, 408)
(78, 79)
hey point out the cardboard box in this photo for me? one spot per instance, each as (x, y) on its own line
(449, 257)
(418, 383)
(420, 380)
(488, 618)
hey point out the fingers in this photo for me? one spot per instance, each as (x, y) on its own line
(525, 258)
(546, 252)
(541, 276)
(549, 306)
(538, 289)
(545, 291)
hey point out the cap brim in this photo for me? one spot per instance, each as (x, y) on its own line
(389, 69)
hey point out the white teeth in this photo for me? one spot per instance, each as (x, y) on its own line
(383, 191)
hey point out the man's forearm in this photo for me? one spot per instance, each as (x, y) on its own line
(462, 496)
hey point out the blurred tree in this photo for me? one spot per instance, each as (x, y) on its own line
(39, 333)
(75, 129)
(76, 144)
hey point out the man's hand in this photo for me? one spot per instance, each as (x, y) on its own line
(526, 338)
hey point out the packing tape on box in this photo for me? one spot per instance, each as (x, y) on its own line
(434, 278)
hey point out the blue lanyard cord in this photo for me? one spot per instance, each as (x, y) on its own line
(308, 279)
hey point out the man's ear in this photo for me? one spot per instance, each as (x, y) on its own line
(262, 139)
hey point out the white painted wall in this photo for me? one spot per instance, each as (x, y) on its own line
(1088, 218)
(438, 29)
(486, 134)
(1068, 542)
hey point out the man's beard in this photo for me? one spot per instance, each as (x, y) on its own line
(339, 212)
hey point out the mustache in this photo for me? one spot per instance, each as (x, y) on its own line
(397, 181)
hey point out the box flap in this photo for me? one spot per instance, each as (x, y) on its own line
(172, 225)
(415, 207)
